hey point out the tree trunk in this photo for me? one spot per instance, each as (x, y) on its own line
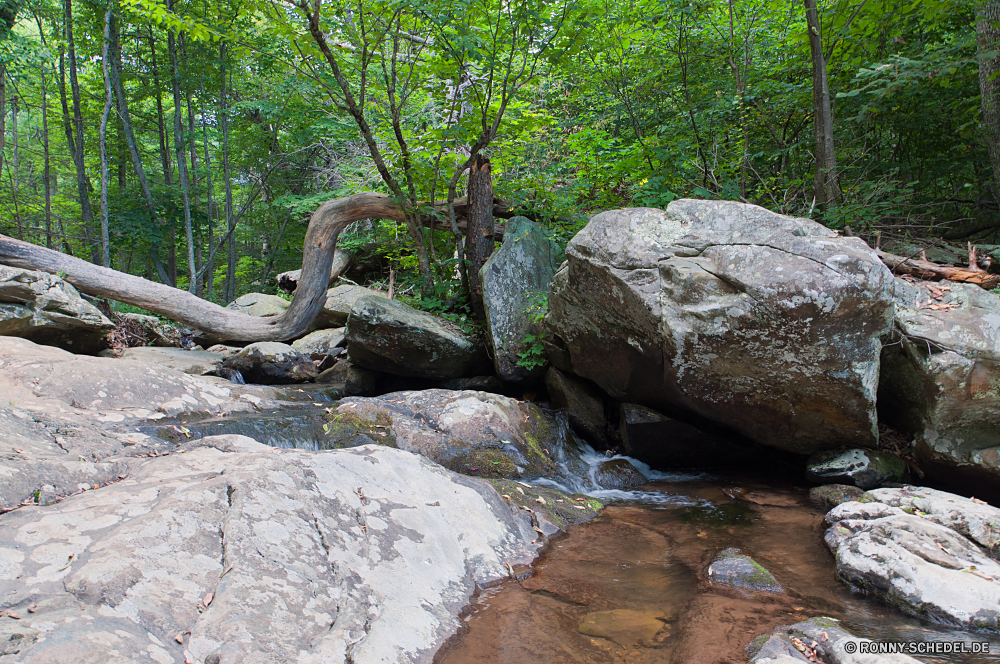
(210, 268)
(47, 169)
(825, 190)
(14, 165)
(103, 140)
(230, 290)
(182, 171)
(988, 41)
(320, 242)
(86, 213)
(479, 237)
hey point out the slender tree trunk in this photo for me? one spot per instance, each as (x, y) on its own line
(3, 111)
(479, 235)
(988, 41)
(182, 172)
(103, 139)
(826, 190)
(210, 271)
(47, 169)
(168, 272)
(15, 161)
(86, 212)
(230, 294)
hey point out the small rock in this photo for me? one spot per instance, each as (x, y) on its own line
(320, 342)
(618, 474)
(732, 568)
(824, 639)
(259, 304)
(866, 469)
(224, 351)
(831, 495)
(624, 626)
(272, 363)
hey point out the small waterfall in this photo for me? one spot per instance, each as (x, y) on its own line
(581, 469)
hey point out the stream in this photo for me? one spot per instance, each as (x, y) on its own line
(634, 577)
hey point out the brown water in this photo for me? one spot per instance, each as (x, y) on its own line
(645, 561)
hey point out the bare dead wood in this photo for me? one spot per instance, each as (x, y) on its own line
(319, 246)
(929, 271)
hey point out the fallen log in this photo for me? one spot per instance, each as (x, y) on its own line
(929, 271)
(318, 249)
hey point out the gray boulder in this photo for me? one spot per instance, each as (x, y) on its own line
(940, 378)
(475, 433)
(321, 342)
(932, 564)
(271, 363)
(259, 304)
(584, 404)
(831, 495)
(515, 276)
(194, 362)
(236, 552)
(736, 570)
(821, 641)
(866, 469)
(339, 301)
(391, 337)
(768, 324)
(48, 310)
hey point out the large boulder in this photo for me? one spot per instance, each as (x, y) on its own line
(927, 552)
(237, 552)
(515, 277)
(339, 301)
(389, 336)
(768, 324)
(320, 342)
(476, 433)
(259, 304)
(48, 310)
(272, 363)
(940, 380)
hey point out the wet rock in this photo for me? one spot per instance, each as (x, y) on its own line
(330, 526)
(194, 362)
(732, 568)
(339, 302)
(618, 474)
(831, 495)
(391, 337)
(666, 442)
(625, 627)
(767, 324)
(478, 383)
(337, 374)
(935, 565)
(272, 363)
(824, 640)
(553, 509)
(515, 277)
(46, 309)
(259, 304)
(865, 469)
(584, 404)
(940, 378)
(320, 342)
(475, 433)
(158, 332)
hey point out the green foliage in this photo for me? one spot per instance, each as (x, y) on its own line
(533, 355)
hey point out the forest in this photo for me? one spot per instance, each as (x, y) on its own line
(189, 141)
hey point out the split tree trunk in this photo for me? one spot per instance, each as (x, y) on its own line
(479, 237)
(826, 189)
(182, 171)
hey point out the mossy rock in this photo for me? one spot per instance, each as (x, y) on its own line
(733, 568)
(831, 495)
(555, 507)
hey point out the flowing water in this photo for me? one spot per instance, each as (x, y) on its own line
(634, 577)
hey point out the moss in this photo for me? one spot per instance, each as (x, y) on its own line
(559, 508)
(757, 644)
(536, 437)
(490, 463)
(344, 428)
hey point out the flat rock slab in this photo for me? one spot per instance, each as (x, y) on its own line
(194, 362)
(235, 552)
(624, 626)
(932, 563)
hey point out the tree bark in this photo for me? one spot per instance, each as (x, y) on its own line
(103, 139)
(319, 246)
(826, 189)
(988, 41)
(230, 289)
(479, 237)
(86, 212)
(47, 168)
(182, 171)
(929, 271)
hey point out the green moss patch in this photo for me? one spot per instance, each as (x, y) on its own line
(562, 509)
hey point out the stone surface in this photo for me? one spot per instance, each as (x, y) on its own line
(337, 374)
(235, 552)
(934, 564)
(320, 342)
(618, 474)
(259, 304)
(826, 642)
(224, 351)
(194, 362)
(940, 380)
(158, 332)
(767, 324)
(475, 433)
(48, 310)
(272, 363)
(831, 495)
(339, 301)
(734, 569)
(626, 627)
(584, 404)
(391, 337)
(865, 469)
(515, 277)
(666, 442)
